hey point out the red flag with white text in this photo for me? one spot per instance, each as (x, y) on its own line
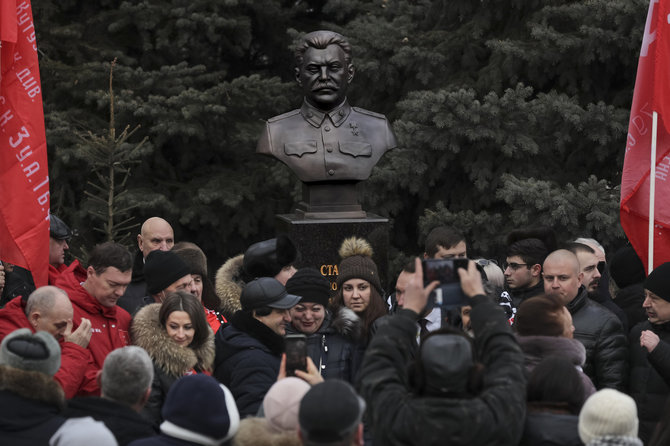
(652, 93)
(24, 176)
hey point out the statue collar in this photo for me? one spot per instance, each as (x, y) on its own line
(316, 117)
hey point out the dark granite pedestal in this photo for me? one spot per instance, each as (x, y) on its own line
(319, 241)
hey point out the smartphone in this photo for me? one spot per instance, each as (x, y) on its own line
(448, 294)
(295, 347)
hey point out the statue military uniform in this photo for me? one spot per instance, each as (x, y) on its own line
(343, 144)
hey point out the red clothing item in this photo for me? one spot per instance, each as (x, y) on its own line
(77, 373)
(213, 319)
(109, 324)
(54, 273)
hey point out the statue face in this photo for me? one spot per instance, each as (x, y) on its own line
(324, 77)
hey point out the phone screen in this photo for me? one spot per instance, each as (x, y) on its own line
(448, 294)
(295, 347)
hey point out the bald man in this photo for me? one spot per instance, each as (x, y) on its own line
(596, 327)
(155, 234)
(49, 309)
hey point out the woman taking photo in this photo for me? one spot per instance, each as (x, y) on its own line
(179, 341)
(331, 337)
(359, 286)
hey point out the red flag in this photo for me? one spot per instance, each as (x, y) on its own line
(652, 93)
(24, 176)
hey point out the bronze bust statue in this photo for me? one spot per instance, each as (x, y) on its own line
(327, 143)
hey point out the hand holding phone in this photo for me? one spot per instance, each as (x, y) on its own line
(295, 347)
(448, 294)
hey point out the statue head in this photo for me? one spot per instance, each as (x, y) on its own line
(324, 68)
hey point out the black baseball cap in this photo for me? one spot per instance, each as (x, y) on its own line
(267, 292)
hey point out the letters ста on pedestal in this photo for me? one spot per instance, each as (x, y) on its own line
(331, 147)
(327, 143)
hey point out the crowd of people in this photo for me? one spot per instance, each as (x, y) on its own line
(559, 345)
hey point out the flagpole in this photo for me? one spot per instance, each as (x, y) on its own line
(652, 191)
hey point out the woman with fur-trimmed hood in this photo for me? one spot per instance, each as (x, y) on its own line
(269, 258)
(179, 341)
(331, 338)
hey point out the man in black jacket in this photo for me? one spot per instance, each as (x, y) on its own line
(650, 352)
(249, 348)
(440, 402)
(596, 327)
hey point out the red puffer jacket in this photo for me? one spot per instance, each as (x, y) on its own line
(109, 324)
(77, 373)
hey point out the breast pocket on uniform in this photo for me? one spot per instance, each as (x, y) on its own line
(299, 148)
(356, 149)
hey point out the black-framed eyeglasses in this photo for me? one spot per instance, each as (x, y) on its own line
(514, 266)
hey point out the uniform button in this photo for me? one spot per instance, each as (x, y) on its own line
(341, 112)
(103, 325)
(331, 172)
(113, 326)
(309, 115)
(327, 129)
(329, 148)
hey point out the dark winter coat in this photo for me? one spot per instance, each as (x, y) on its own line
(551, 429)
(333, 348)
(607, 302)
(602, 334)
(493, 417)
(519, 295)
(630, 299)
(171, 361)
(131, 301)
(248, 354)
(537, 348)
(649, 376)
(30, 408)
(126, 424)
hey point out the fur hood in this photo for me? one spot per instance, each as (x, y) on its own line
(147, 333)
(255, 432)
(229, 283)
(32, 385)
(536, 348)
(346, 323)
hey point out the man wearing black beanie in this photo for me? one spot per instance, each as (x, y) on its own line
(165, 272)
(650, 352)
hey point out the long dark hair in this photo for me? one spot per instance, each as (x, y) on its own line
(186, 302)
(376, 308)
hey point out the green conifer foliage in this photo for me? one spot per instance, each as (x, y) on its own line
(508, 112)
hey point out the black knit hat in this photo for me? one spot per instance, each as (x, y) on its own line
(357, 263)
(658, 281)
(162, 269)
(267, 258)
(310, 285)
(330, 411)
(626, 268)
